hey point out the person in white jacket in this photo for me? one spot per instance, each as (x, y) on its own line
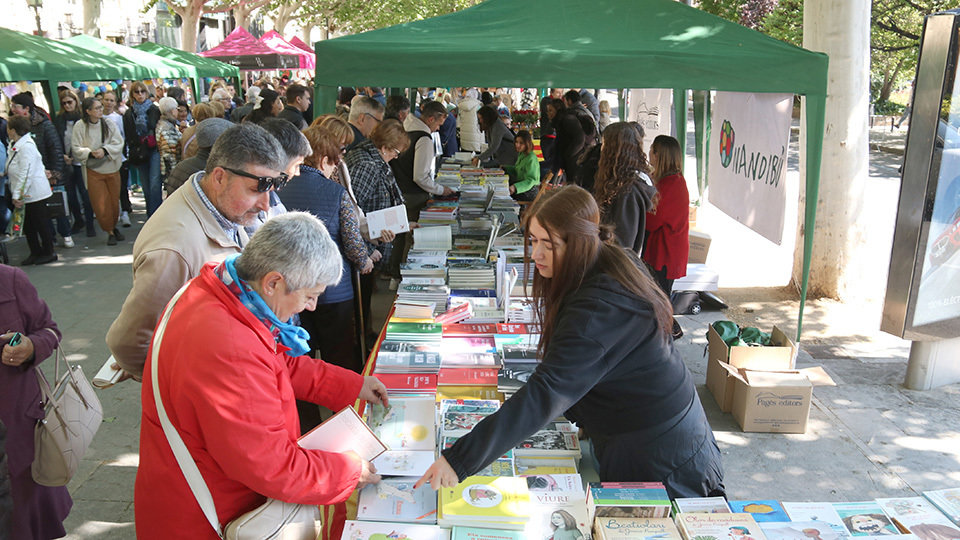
(471, 140)
(30, 189)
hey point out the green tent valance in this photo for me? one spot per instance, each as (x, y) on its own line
(150, 65)
(206, 67)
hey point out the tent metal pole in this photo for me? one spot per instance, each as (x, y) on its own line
(680, 110)
(622, 103)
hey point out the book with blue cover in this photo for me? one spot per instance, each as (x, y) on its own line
(761, 510)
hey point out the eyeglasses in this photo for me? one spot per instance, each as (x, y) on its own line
(396, 151)
(374, 117)
(140, 91)
(343, 150)
(264, 183)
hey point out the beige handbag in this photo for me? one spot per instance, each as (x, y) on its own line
(273, 520)
(72, 417)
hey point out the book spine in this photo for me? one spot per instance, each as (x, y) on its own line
(403, 381)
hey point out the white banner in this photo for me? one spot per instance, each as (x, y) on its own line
(749, 137)
(651, 108)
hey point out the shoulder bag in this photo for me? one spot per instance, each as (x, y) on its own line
(72, 417)
(273, 520)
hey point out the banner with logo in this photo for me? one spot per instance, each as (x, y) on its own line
(748, 151)
(651, 107)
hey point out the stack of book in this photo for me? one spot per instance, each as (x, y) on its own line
(516, 343)
(413, 309)
(433, 238)
(558, 439)
(472, 276)
(412, 332)
(628, 499)
(485, 501)
(435, 294)
(455, 314)
(408, 367)
(521, 310)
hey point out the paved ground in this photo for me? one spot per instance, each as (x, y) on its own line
(867, 437)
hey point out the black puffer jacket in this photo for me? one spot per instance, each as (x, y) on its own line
(6, 499)
(132, 143)
(48, 142)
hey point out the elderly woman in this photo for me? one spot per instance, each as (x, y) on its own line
(38, 511)
(29, 189)
(139, 128)
(230, 366)
(376, 188)
(168, 136)
(98, 146)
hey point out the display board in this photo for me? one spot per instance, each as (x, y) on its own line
(747, 154)
(923, 285)
(652, 109)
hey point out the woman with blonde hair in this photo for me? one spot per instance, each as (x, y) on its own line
(606, 362)
(97, 145)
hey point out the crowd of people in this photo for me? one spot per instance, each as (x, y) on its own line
(256, 212)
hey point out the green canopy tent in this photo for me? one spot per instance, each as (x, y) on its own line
(151, 65)
(24, 57)
(599, 44)
(206, 67)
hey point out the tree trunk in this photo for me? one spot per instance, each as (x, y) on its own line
(190, 25)
(840, 266)
(305, 32)
(888, 79)
(283, 18)
(91, 17)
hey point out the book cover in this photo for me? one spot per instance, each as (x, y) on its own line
(864, 519)
(801, 530)
(555, 482)
(460, 423)
(549, 442)
(816, 511)
(921, 517)
(482, 533)
(620, 528)
(709, 505)
(702, 526)
(404, 462)
(947, 500)
(500, 499)
(761, 510)
(395, 499)
(468, 330)
(468, 376)
(369, 530)
(528, 466)
(408, 424)
(342, 432)
(412, 362)
(409, 381)
(468, 392)
(485, 406)
(557, 514)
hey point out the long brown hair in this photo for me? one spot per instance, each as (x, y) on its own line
(669, 157)
(621, 161)
(570, 215)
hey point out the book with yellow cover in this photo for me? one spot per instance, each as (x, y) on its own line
(500, 501)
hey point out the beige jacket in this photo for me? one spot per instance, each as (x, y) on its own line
(170, 250)
(89, 137)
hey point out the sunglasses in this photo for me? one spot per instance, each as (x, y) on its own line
(139, 91)
(264, 183)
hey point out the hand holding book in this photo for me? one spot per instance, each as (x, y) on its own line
(373, 391)
(440, 474)
(368, 472)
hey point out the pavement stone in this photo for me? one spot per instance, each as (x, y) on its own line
(867, 437)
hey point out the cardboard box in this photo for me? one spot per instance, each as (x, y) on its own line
(774, 401)
(699, 246)
(779, 357)
(692, 216)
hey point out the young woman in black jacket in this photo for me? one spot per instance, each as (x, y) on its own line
(608, 363)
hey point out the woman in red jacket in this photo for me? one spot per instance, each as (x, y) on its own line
(667, 224)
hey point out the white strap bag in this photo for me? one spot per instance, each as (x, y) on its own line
(273, 520)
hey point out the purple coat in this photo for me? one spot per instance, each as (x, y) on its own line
(38, 511)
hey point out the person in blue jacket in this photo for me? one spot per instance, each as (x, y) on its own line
(607, 362)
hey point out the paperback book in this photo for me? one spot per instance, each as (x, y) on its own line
(618, 499)
(761, 510)
(395, 500)
(921, 517)
(817, 512)
(718, 527)
(485, 500)
(558, 514)
(801, 530)
(947, 500)
(626, 528)
(369, 530)
(709, 505)
(865, 519)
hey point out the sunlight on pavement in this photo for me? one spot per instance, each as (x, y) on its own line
(125, 460)
(96, 529)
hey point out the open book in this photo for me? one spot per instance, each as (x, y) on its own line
(342, 432)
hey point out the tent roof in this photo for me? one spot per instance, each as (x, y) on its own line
(242, 50)
(300, 44)
(24, 57)
(151, 65)
(276, 42)
(571, 43)
(206, 67)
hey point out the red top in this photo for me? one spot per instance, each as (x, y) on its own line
(669, 226)
(230, 392)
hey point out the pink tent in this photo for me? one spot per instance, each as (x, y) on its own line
(276, 42)
(243, 50)
(299, 43)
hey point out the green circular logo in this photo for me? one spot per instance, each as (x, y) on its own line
(726, 143)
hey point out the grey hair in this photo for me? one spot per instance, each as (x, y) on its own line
(364, 105)
(220, 93)
(252, 94)
(246, 144)
(167, 105)
(297, 245)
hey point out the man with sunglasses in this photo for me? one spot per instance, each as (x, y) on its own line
(202, 221)
(365, 114)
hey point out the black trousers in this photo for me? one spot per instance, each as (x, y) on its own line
(37, 229)
(125, 188)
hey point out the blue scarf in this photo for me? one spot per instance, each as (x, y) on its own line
(286, 333)
(140, 115)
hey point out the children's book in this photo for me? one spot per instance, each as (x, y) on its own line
(761, 510)
(921, 517)
(558, 514)
(702, 526)
(503, 501)
(816, 511)
(947, 500)
(395, 499)
(709, 505)
(369, 530)
(865, 519)
(409, 424)
(801, 530)
(626, 528)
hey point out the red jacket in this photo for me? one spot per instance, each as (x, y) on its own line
(230, 392)
(669, 226)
